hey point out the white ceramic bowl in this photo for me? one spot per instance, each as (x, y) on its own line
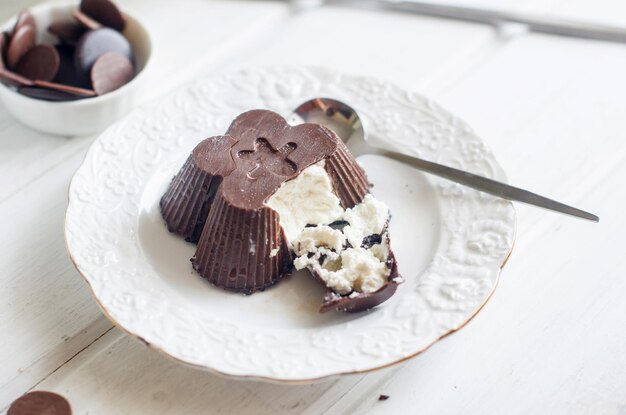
(86, 115)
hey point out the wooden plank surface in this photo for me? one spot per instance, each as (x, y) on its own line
(548, 342)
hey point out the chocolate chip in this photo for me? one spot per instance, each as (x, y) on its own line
(80, 92)
(46, 94)
(110, 71)
(24, 19)
(371, 240)
(4, 42)
(40, 403)
(67, 32)
(12, 78)
(41, 62)
(105, 12)
(86, 21)
(383, 397)
(339, 224)
(95, 43)
(21, 42)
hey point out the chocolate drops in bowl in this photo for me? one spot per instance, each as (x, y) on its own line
(72, 67)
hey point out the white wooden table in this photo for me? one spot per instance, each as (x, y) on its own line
(551, 340)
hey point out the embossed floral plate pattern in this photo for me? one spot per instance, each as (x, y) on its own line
(450, 241)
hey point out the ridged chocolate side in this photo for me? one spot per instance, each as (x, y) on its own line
(186, 202)
(234, 250)
(348, 178)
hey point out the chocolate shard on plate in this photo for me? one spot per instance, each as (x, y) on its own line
(105, 12)
(41, 63)
(363, 301)
(266, 193)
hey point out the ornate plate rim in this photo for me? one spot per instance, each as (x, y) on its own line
(279, 379)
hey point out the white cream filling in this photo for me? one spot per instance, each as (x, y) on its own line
(307, 199)
(355, 269)
(366, 218)
(336, 256)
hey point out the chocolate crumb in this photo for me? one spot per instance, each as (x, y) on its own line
(339, 224)
(371, 240)
(383, 397)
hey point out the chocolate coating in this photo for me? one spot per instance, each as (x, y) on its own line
(269, 152)
(41, 62)
(95, 43)
(40, 403)
(111, 71)
(67, 32)
(219, 195)
(105, 12)
(21, 42)
(185, 204)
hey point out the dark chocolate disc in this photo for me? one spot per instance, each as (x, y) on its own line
(86, 21)
(95, 43)
(12, 78)
(105, 12)
(4, 42)
(80, 92)
(67, 32)
(21, 42)
(24, 19)
(110, 71)
(41, 62)
(46, 94)
(40, 403)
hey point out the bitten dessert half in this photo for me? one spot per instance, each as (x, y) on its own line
(267, 197)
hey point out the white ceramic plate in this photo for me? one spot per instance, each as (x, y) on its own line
(451, 242)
